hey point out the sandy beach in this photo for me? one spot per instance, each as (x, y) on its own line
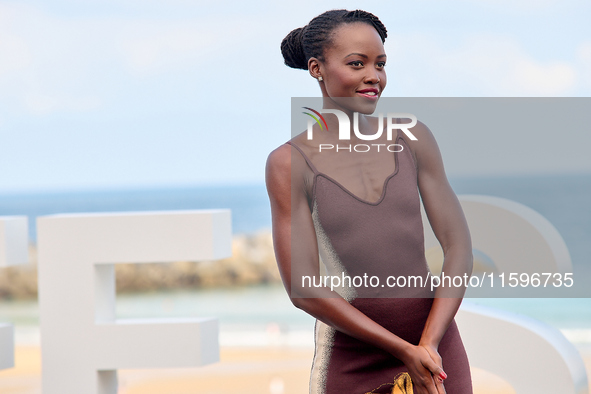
(273, 370)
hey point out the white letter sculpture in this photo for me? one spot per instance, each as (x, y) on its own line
(14, 250)
(530, 355)
(83, 344)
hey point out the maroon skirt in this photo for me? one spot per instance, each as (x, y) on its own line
(343, 364)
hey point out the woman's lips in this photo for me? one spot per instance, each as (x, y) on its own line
(369, 93)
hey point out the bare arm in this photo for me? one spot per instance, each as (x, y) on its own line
(294, 240)
(449, 225)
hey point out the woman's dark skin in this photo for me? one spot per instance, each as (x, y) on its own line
(355, 61)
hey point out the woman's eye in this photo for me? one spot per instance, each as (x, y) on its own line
(381, 64)
(357, 63)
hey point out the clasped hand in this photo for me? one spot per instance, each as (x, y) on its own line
(425, 369)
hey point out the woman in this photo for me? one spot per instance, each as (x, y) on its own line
(364, 216)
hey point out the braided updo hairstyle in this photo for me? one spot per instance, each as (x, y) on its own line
(310, 41)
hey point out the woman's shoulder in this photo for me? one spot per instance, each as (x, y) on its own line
(278, 172)
(298, 142)
(285, 170)
(423, 140)
(423, 147)
(279, 159)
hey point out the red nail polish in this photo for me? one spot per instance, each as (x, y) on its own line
(442, 375)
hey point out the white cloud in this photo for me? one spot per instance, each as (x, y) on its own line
(14, 53)
(41, 66)
(154, 51)
(584, 58)
(52, 63)
(151, 47)
(40, 104)
(483, 65)
(554, 79)
(519, 5)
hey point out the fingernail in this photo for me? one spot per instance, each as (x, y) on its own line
(442, 375)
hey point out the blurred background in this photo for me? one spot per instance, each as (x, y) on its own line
(150, 105)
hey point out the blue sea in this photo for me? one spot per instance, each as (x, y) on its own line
(249, 204)
(257, 315)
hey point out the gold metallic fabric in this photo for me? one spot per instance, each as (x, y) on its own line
(402, 385)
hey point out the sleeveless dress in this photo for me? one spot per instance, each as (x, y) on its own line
(383, 236)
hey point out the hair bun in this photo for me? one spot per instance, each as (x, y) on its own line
(292, 49)
(312, 40)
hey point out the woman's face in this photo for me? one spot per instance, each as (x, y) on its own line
(353, 68)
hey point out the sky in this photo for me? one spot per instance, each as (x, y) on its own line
(129, 94)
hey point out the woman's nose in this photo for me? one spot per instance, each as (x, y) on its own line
(372, 78)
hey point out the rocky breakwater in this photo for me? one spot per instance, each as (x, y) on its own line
(252, 262)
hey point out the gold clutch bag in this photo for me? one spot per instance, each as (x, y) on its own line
(401, 385)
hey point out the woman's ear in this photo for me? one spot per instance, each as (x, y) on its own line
(314, 68)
